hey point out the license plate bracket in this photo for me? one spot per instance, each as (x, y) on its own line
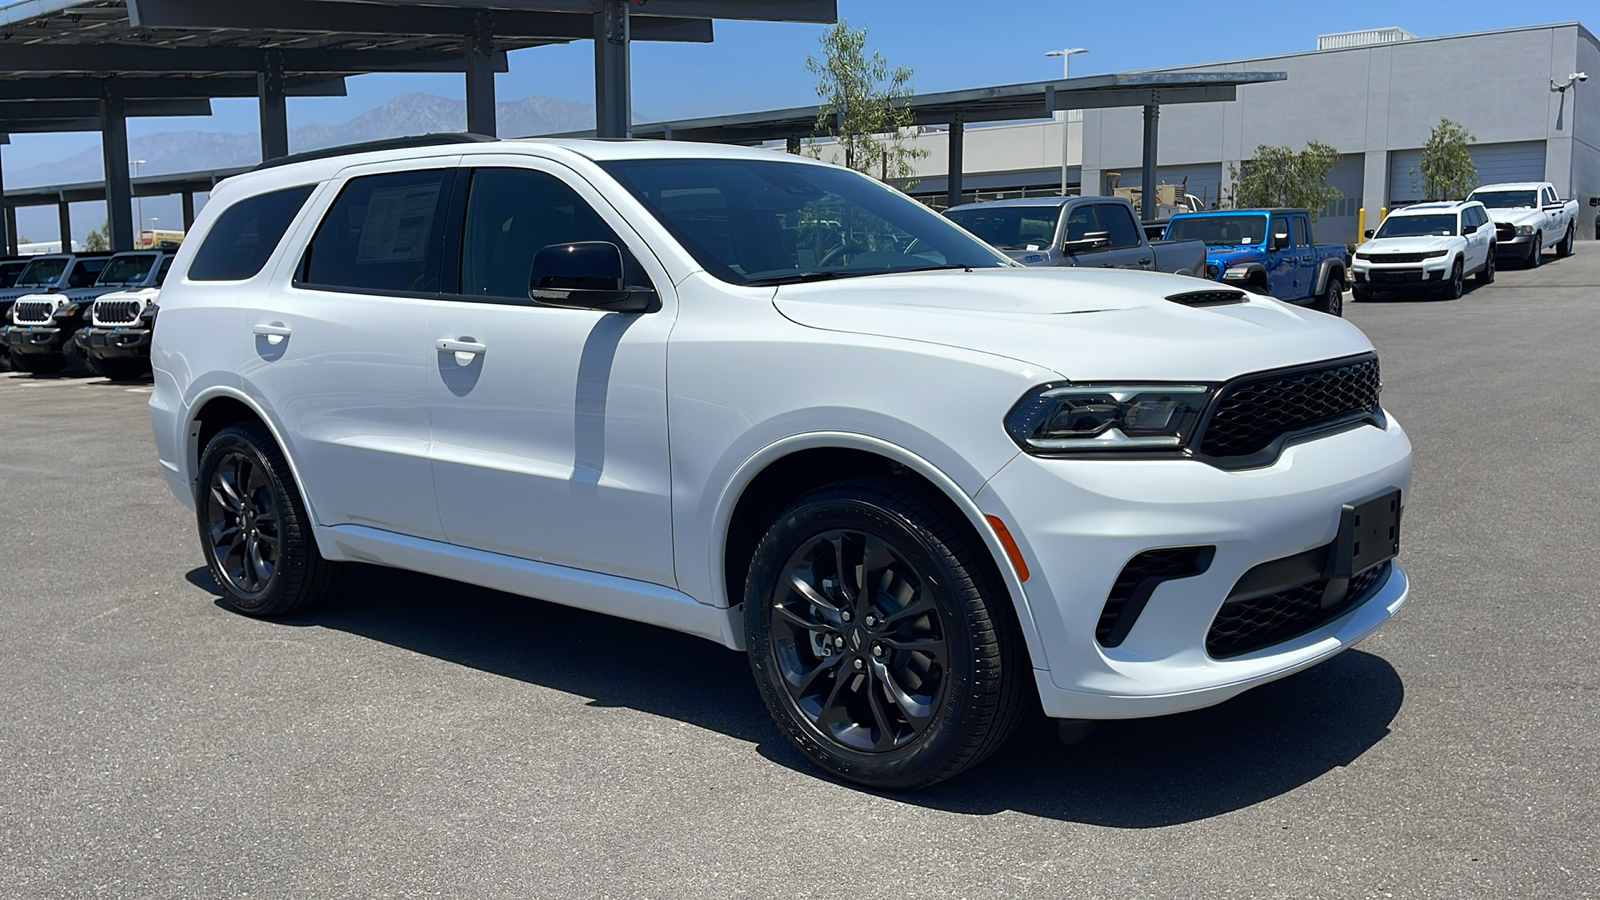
(1369, 534)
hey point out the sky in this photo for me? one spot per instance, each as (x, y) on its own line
(950, 44)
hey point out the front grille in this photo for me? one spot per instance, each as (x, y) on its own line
(1250, 625)
(1505, 232)
(1208, 298)
(1138, 580)
(1397, 257)
(1251, 414)
(33, 312)
(117, 312)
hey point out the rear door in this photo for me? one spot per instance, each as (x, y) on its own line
(1128, 248)
(549, 424)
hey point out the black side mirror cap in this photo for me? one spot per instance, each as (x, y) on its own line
(1279, 241)
(1369, 232)
(586, 275)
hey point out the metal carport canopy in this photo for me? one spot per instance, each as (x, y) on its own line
(1032, 100)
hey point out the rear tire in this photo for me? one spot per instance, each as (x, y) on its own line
(1486, 274)
(879, 639)
(1564, 249)
(1332, 299)
(254, 527)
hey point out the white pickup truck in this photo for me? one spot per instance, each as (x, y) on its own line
(1528, 218)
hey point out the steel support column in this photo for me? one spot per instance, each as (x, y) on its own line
(958, 130)
(270, 91)
(1152, 129)
(119, 189)
(13, 238)
(8, 219)
(613, 107)
(480, 75)
(64, 223)
(188, 210)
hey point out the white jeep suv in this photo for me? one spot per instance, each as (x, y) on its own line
(782, 406)
(1426, 247)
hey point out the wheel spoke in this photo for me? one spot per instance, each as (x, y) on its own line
(800, 621)
(252, 575)
(885, 738)
(832, 710)
(803, 688)
(921, 604)
(262, 568)
(933, 648)
(226, 492)
(917, 714)
(848, 550)
(812, 595)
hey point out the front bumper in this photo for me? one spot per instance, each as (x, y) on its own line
(1517, 247)
(1079, 522)
(122, 342)
(1430, 273)
(35, 340)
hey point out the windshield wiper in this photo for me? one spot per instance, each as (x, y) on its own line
(797, 278)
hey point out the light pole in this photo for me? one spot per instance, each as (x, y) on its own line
(1066, 54)
(138, 201)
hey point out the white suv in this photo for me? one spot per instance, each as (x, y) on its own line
(1428, 247)
(784, 407)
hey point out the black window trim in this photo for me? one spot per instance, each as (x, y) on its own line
(310, 189)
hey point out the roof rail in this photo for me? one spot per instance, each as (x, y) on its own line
(399, 143)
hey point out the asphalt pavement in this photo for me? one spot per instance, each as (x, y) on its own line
(417, 737)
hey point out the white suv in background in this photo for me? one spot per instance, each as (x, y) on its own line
(1427, 247)
(782, 406)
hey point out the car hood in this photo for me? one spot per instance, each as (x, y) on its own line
(1521, 215)
(1085, 324)
(146, 294)
(1228, 256)
(1419, 244)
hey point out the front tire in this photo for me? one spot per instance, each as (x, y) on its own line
(1361, 294)
(37, 365)
(1457, 284)
(120, 369)
(1486, 274)
(878, 637)
(1332, 299)
(1564, 249)
(254, 526)
(1536, 254)
(75, 360)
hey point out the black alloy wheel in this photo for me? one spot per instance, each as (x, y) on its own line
(1457, 283)
(1486, 274)
(877, 640)
(254, 527)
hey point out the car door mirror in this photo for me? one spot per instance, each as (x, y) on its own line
(586, 275)
(1469, 229)
(1279, 242)
(1092, 240)
(1369, 232)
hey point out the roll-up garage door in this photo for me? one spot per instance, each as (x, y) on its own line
(1521, 161)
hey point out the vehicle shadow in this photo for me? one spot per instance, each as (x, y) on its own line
(1141, 773)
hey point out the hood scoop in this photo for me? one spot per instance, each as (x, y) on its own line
(1208, 298)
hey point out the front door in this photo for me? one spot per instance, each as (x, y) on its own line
(549, 424)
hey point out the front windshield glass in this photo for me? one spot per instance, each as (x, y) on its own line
(127, 269)
(1220, 231)
(1506, 199)
(42, 272)
(1010, 227)
(1440, 225)
(753, 221)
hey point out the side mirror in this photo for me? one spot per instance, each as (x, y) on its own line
(1279, 242)
(1092, 240)
(586, 275)
(1369, 232)
(1469, 229)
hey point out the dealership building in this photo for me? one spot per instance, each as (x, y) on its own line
(1373, 95)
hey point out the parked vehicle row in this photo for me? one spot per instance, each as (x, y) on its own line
(63, 325)
(776, 404)
(1529, 218)
(1093, 232)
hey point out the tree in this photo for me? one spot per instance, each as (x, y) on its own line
(1447, 169)
(1278, 176)
(98, 239)
(865, 105)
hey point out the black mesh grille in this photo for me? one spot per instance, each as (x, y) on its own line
(1397, 257)
(1208, 298)
(1249, 625)
(34, 312)
(1153, 566)
(1505, 232)
(116, 312)
(1252, 413)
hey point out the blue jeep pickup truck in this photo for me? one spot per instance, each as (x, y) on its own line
(1269, 251)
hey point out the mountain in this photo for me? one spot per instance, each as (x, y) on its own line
(416, 113)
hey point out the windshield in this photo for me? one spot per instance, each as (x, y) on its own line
(9, 272)
(758, 222)
(42, 272)
(1439, 225)
(1010, 227)
(1219, 231)
(1506, 199)
(127, 269)
(166, 266)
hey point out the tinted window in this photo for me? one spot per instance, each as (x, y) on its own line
(161, 274)
(1010, 227)
(44, 271)
(127, 269)
(1119, 225)
(1549, 195)
(9, 272)
(1219, 231)
(1506, 199)
(1081, 222)
(1438, 224)
(382, 234)
(1299, 231)
(244, 236)
(511, 215)
(85, 271)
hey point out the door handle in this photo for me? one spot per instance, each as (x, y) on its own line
(274, 332)
(465, 350)
(1144, 262)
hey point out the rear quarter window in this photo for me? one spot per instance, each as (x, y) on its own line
(244, 236)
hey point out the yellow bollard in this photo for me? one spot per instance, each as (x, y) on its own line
(1383, 213)
(1361, 224)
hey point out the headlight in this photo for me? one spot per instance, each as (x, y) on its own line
(1435, 254)
(1078, 418)
(66, 311)
(1524, 229)
(1360, 255)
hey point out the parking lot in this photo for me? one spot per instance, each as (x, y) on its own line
(417, 737)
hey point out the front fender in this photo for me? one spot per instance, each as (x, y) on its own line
(1330, 267)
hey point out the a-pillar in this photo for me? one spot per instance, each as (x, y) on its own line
(1152, 131)
(613, 108)
(274, 106)
(64, 220)
(188, 210)
(958, 129)
(480, 75)
(119, 187)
